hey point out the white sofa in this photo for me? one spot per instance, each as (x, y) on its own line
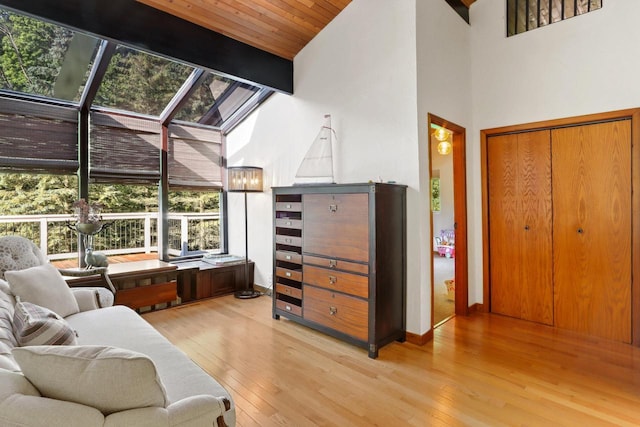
(185, 394)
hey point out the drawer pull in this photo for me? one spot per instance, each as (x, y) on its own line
(288, 240)
(288, 206)
(288, 274)
(287, 291)
(287, 307)
(287, 257)
(288, 223)
(333, 263)
(333, 208)
(333, 280)
(333, 311)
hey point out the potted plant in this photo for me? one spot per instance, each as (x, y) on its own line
(88, 218)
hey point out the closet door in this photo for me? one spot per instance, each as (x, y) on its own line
(592, 229)
(520, 241)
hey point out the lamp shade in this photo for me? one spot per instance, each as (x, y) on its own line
(244, 179)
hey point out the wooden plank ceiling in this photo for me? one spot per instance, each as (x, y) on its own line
(281, 27)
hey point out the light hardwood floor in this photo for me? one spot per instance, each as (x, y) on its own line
(481, 370)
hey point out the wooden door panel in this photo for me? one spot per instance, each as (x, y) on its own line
(520, 211)
(592, 229)
(534, 190)
(337, 225)
(503, 220)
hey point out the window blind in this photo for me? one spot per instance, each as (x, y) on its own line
(124, 148)
(194, 157)
(38, 137)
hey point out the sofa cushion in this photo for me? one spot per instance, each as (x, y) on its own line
(107, 378)
(19, 410)
(18, 253)
(7, 339)
(35, 325)
(43, 285)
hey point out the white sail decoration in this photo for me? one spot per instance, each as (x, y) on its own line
(317, 165)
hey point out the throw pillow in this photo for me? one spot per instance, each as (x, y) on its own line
(107, 378)
(35, 325)
(43, 285)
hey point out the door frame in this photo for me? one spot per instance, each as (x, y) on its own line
(630, 114)
(459, 213)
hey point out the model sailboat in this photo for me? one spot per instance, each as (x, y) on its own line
(317, 165)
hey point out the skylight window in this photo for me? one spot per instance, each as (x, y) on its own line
(215, 101)
(43, 59)
(139, 82)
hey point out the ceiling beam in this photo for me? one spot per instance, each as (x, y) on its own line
(461, 7)
(143, 27)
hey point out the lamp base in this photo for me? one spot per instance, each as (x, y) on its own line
(247, 294)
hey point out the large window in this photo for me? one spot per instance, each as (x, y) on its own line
(138, 103)
(194, 222)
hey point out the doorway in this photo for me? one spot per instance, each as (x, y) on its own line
(448, 219)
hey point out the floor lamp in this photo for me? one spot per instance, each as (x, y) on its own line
(245, 179)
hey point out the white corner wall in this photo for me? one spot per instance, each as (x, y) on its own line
(444, 89)
(583, 65)
(361, 69)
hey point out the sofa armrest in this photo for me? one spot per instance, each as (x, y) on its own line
(20, 410)
(194, 411)
(201, 410)
(92, 298)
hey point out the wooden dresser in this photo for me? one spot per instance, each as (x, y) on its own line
(340, 260)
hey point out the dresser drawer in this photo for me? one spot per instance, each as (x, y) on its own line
(288, 256)
(289, 206)
(288, 307)
(336, 280)
(289, 223)
(288, 240)
(343, 313)
(288, 291)
(337, 225)
(288, 273)
(336, 264)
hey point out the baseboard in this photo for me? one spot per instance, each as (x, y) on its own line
(419, 339)
(477, 308)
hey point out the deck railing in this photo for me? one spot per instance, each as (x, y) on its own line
(126, 233)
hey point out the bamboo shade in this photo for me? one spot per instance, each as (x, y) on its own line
(38, 137)
(195, 159)
(123, 148)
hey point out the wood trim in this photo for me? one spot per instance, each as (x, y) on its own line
(568, 121)
(484, 182)
(635, 227)
(460, 212)
(634, 115)
(477, 308)
(418, 339)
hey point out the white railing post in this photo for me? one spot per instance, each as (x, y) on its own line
(44, 236)
(184, 232)
(147, 234)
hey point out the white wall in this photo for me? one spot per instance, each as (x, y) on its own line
(587, 64)
(360, 69)
(381, 66)
(444, 89)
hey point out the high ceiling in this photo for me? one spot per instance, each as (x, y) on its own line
(281, 27)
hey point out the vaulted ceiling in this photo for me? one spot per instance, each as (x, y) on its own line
(281, 27)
